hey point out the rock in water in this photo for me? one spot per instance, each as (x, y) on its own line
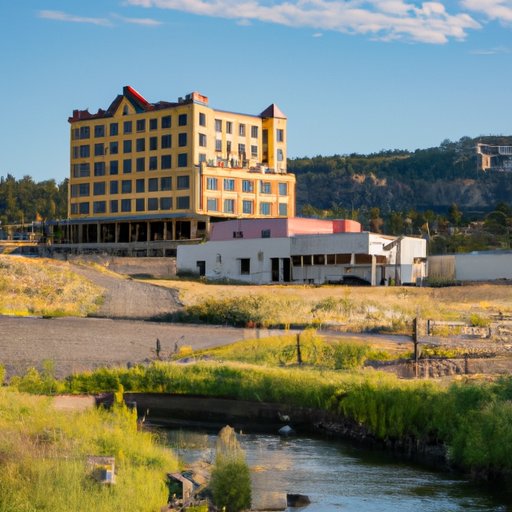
(297, 500)
(286, 431)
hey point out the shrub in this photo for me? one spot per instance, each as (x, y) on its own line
(230, 482)
(350, 355)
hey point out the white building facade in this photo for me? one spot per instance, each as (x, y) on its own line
(330, 257)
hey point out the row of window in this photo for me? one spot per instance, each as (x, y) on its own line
(130, 205)
(247, 186)
(212, 205)
(100, 130)
(142, 164)
(128, 186)
(241, 128)
(241, 148)
(101, 149)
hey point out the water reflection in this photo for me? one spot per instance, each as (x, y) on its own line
(337, 476)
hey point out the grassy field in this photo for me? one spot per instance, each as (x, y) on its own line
(38, 286)
(43, 455)
(388, 309)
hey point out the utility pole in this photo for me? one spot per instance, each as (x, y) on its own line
(299, 356)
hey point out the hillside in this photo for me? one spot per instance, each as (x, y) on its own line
(426, 179)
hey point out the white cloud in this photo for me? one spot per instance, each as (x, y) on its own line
(427, 22)
(62, 16)
(106, 22)
(499, 50)
(317, 34)
(500, 10)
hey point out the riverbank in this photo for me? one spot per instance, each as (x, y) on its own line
(471, 419)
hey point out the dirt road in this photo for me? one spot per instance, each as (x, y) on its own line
(76, 344)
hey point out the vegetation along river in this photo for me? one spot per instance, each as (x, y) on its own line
(339, 477)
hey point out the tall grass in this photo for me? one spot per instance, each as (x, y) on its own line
(43, 456)
(30, 286)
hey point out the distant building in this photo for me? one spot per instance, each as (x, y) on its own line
(473, 266)
(145, 172)
(263, 251)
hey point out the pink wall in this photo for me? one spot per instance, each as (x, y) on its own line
(281, 228)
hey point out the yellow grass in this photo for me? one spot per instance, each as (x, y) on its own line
(39, 286)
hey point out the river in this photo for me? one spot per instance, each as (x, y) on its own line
(340, 477)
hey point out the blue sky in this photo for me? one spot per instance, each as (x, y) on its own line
(351, 75)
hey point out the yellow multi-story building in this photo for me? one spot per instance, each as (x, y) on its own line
(145, 171)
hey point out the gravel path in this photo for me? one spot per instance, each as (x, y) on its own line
(125, 298)
(77, 344)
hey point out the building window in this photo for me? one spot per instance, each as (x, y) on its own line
(202, 119)
(153, 124)
(74, 209)
(229, 205)
(127, 166)
(81, 171)
(183, 182)
(211, 183)
(218, 145)
(127, 146)
(141, 125)
(165, 162)
(202, 157)
(153, 143)
(166, 141)
(139, 205)
(166, 183)
(265, 233)
(202, 140)
(245, 266)
(254, 132)
(83, 208)
(228, 146)
(85, 133)
(114, 206)
(114, 148)
(247, 207)
(241, 150)
(280, 135)
(280, 155)
(153, 185)
(126, 186)
(211, 204)
(114, 129)
(81, 190)
(99, 188)
(218, 125)
(126, 205)
(229, 127)
(114, 167)
(139, 186)
(140, 145)
(182, 140)
(182, 160)
(165, 203)
(254, 151)
(99, 149)
(229, 184)
(140, 164)
(247, 186)
(265, 187)
(283, 209)
(166, 122)
(99, 130)
(84, 151)
(183, 203)
(153, 163)
(99, 168)
(153, 203)
(99, 207)
(265, 208)
(241, 130)
(74, 190)
(283, 189)
(127, 127)
(182, 120)
(114, 187)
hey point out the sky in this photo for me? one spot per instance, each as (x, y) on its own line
(352, 76)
